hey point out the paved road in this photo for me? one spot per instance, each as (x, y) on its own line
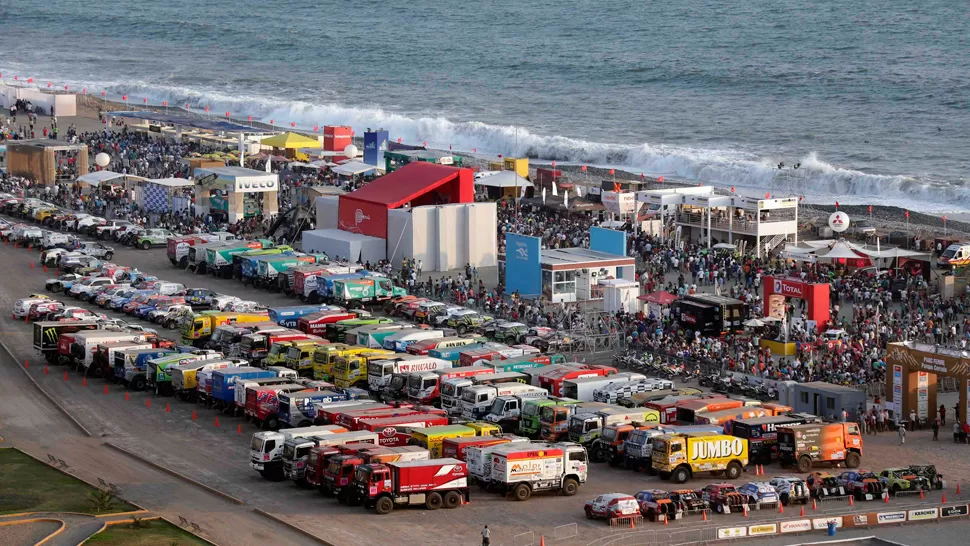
(77, 527)
(219, 458)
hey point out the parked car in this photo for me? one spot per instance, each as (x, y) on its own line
(690, 501)
(929, 472)
(759, 493)
(724, 497)
(823, 484)
(98, 250)
(611, 506)
(153, 237)
(790, 489)
(898, 480)
(506, 332)
(655, 503)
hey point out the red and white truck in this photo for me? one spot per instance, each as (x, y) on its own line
(522, 469)
(316, 323)
(436, 483)
(396, 431)
(296, 450)
(339, 472)
(455, 448)
(266, 448)
(552, 380)
(379, 372)
(328, 413)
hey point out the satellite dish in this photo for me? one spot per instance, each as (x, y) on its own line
(839, 221)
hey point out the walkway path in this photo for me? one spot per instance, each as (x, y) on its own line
(77, 527)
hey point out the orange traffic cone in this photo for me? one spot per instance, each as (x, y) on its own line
(885, 497)
(193, 415)
(45, 268)
(944, 497)
(127, 396)
(781, 508)
(921, 497)
(666, 519)
(84, 382)
(958, 489)
(27, 365)
(168, 408)
(106, 389)
(238, 429)
(814, 504)
(542, 540)
(148, 402)
(65, 376)
(631, 519)
(217, 421)
(801, 512)
(45, 369)
(31, 265)
(851, 501)
(704, 515)
(744, 507)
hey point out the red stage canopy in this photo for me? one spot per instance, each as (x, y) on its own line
(659, 297)
(365, 210)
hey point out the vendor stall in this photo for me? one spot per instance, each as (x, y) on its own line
(505, 184)
(236, 192)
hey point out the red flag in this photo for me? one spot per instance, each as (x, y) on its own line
(84, 91)
(249, 118)
(767, 195)
(475, 150)
(316, 128)
(227, 114)
(292, 124)
(207, 108)
(48, 84)
(425, 143)
(271, 122)
(165, 103)
(732, 189)
(145, 100)
(30, 80)
(660, 179)
(186, 106)
(102, 93)
(399, 140)
(836, 205)
(65, 88)
(907, 215)
(870, 209)
(643, 177)
(123, 97)
(553, 164)
(612, 171)
(500, 156)
(944, 218)
(583, 168)
(449, 147)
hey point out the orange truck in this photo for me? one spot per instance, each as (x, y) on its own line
(806, 446)
(689, 411)
(728, 416)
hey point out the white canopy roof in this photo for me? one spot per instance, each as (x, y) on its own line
(172, 182)
(891, 253)
(504, 179)
(839, 250)
(352, 168)
(99, 177)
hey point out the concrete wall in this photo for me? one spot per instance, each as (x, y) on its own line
(326, 207)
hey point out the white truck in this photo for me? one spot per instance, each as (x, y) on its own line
(400, 341)
(296, 450)
(612, 393)
(476, 400)
(379, 372)
(85, 343)
(239, 389)
(266, 448)
(506, 409)
(479, 459)
(452, 388)
(582, 389)
(524, 469)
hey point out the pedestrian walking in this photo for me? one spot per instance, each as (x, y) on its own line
(486, 536)
(936, 429)
(902, 433)
(956, 432)
(942, 415)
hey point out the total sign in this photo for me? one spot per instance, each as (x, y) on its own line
(789, 288)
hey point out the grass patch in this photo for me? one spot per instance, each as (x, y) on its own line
(152, 533)
(29, 486)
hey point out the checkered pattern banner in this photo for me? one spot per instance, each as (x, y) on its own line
(157, 198)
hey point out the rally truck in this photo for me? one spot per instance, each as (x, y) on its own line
(379, 371)
(396, 431)
(609, 447)
(178, 248)
(239, 389)
(298, 409)
(529, 424)
(296, 450)
(584, 428)
(808, 445)
(299, 355)
(225, 382)
(266, 448)
(520, 469)
(197, 329)
(47, 333)
(432, 438)
(325, 357)
(435, 483)
(677, 457)
(612, 393)
(158, 376)
(254, 346)
(506, 410)
(762, 433)
(185, 376)
(554, 420)
(356, 293)
(584, 388)
(477, 400)
(130, 366)
(351, 371)
(316, 323)
(340, 469)
(638, 447)
(451, 382)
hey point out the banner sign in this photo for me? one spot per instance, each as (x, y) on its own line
(619, 202)
(922, 394)
(898, 392)
(523, 270)
(610, 241)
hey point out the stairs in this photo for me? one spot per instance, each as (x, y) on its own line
(770, 244)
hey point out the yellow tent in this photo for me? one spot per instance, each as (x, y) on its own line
(290, 141)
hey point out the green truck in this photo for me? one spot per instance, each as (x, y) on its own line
(336, 330)
(529, 424)
(356, 293)
(219, 259)
(268, 269)
(157, 376)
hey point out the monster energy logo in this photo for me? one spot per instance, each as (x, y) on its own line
(50, 334)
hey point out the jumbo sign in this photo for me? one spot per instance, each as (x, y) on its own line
(717, 449)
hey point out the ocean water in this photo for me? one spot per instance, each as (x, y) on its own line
(871, 98)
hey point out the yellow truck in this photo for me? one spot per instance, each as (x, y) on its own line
(431, 438)
(351, 370)
(484, 428)
(299, 355)
(198, 329)
(325, 356)
(678, 457)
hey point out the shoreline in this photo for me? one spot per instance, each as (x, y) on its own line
(886, 218)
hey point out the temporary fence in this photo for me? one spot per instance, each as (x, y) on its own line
(527, 538)
(565, 532)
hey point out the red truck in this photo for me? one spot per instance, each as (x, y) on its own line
(455, 447)
(316, 323)
(396, 431)
(254, 346)
(263, 403)
(340, 470)
(329, 414)
(435, 483)
(351, 419)
(553, 380)
(178, 248)
(471, 356)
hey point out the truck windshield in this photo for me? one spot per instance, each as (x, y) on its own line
(448, 389)
(468, 395)
(293, 353)
(591, 424)
(375, 369)
(289, 451)
(548, 414)
(414, 382)
(397, 383)
(576, 425)
(256, 444)
(362, 476)
(428, 383)
(570, 390)
(334, 467)
(276, 349)
(950, 252)
(610, 434)
(248, 342)
(498, 406)
(660, 446)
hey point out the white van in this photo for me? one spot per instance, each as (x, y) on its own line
(582, 389)
(169, 288)
(400, 341)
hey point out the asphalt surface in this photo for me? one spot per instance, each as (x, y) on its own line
(218, 457)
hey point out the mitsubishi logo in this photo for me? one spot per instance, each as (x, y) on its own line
(359, 216)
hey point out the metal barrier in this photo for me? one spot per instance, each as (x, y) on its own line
(628, 522)
(563, 532)
(527, 538)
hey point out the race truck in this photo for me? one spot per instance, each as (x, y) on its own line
(477, 401)
(297, 409)
(790, 489)
(434, 483)
(585, 427)
(340, 469)
(379, 371)
(158, 377)
(861, 484)
(356, 293)
(901, 480)
(266, 448)
(185, 375)
(520, 469)
(316, 323)
(638, 447)
(396, 431)
(613, 392)
(224, 383)
(325, 357)
(679, 456)
(177, 248)
(762, 433)
(239, 389)
(46, 335)
(610, 446)
(657, 505)
(724, 498)
(529, 424)
(297, 450)
(131, 365)
(808, 445)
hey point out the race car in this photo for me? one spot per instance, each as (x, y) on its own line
(655, 503)
(40, 310)
(823, 484)
(897, 480)
(506, 332)
(97, 250)
(724, 497)
(21, 307)
(61, 283)
(759, 493)
(611, 506)
(790, 489)
(929, 472)
(690, 501)
(153, 237)
(861, 484)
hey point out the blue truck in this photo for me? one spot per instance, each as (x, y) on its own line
(224, 382)
(325, 284)
(298, 409)
(130, 366)
(289, 316)
(453, 354)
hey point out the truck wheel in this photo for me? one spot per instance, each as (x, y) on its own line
(852, 460)
(589, 513)
(522, 492)
(138, 383)
(434, 501)
(146, 245)
(733, 470)
(96, 371)
(272, 423)
(570, 487)
(384, 505)
(804, 464)
(680, 475)
(452, 499)
(462, 329)
(785, 500)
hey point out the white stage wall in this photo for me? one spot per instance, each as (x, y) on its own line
(64, 104)
(326, 206)
(348, 246)
(444, 237)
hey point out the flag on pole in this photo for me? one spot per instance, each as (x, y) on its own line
(612, 171)
(732, 189)
(660, 179)
(565, 199)
(907, 215)
(583, 168)
(870, 209)
(544, 194)
(836, 205)
(944, 218)
(555, 188)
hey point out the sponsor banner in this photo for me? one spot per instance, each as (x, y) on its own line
(954, 511)
(924, 514)
(618, 202)
(763, 529)
(891, 517)
(610, 241)
(922, 394)
(860, 520)
(897, 391)
(732, 532)
(523, 272)
(822, 524)
(797, 526)
(790, 288)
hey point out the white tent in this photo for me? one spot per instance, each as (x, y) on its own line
(349, 246)
(893, 253)
(100, 177)
(504, 179)
(172, 182)
(839, 250)
(352, 168)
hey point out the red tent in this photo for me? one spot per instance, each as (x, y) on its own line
(659, 297)
(365, 210)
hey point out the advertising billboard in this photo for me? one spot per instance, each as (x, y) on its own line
(362, 217)
(375, 144)
(523, 272)
(610, 241)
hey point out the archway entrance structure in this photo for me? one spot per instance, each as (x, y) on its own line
(912, 371)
